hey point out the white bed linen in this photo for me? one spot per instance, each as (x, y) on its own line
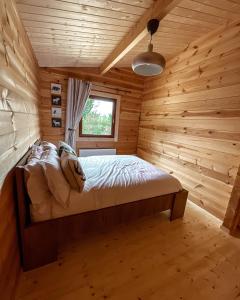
(113, 180)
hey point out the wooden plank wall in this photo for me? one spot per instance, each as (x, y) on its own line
(19, 128)
(118, 82)
(232, 216)
(190, 118)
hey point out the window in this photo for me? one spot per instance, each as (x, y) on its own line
(98, 118)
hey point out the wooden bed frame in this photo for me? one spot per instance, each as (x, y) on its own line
(39, 241)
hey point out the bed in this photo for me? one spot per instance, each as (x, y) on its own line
(118, 189)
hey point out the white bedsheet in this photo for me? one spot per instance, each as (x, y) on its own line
(113, 180)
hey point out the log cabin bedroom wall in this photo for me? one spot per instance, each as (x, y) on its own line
(117, 82)
(190, 118)
(19, 129)
(184, 121)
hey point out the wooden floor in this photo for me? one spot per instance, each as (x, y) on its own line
(148, 259)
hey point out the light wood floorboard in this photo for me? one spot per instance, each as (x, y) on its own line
(151, 259)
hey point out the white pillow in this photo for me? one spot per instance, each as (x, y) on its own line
(43, 211)
(56, 181)
(36, 152)
(37, 186)
(48, 146)
(40, 196)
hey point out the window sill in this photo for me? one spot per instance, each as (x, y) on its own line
(96, 139)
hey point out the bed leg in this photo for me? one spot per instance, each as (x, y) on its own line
(179, 204)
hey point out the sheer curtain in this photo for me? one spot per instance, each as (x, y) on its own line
(77, 94)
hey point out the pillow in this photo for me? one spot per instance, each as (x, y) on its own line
(45, 154)
(47, 146)
(36, 183)
(56, 181)
(43, 211)
(40, 196)
(36, 153)
(73, 171)
(64, 146)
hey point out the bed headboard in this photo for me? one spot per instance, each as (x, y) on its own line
(22, 197)
(35, 250)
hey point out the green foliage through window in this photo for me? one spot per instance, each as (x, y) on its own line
(97, 117)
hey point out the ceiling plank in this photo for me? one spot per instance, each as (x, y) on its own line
(158, 10)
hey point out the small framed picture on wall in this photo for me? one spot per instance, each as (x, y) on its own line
(56, 100)
(56, 88)
(56, 122)
(56, 112)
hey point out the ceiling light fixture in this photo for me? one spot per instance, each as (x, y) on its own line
(149, 63)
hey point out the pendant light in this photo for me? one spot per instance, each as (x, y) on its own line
(149, 63)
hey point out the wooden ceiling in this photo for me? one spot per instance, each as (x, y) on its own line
(83, 33)
(78, 32)
(184, 24)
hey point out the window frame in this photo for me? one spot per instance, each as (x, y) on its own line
(114, 113)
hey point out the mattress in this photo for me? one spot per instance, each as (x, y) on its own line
(112, 180)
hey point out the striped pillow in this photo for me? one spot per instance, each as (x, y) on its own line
(65, 147)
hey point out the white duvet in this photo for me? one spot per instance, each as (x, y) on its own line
(113, 180)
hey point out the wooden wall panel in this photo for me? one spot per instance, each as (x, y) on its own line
(190, 118)
(232, 217)
(19, 128)
(120, 82)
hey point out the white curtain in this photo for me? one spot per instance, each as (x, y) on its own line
(77, 95)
